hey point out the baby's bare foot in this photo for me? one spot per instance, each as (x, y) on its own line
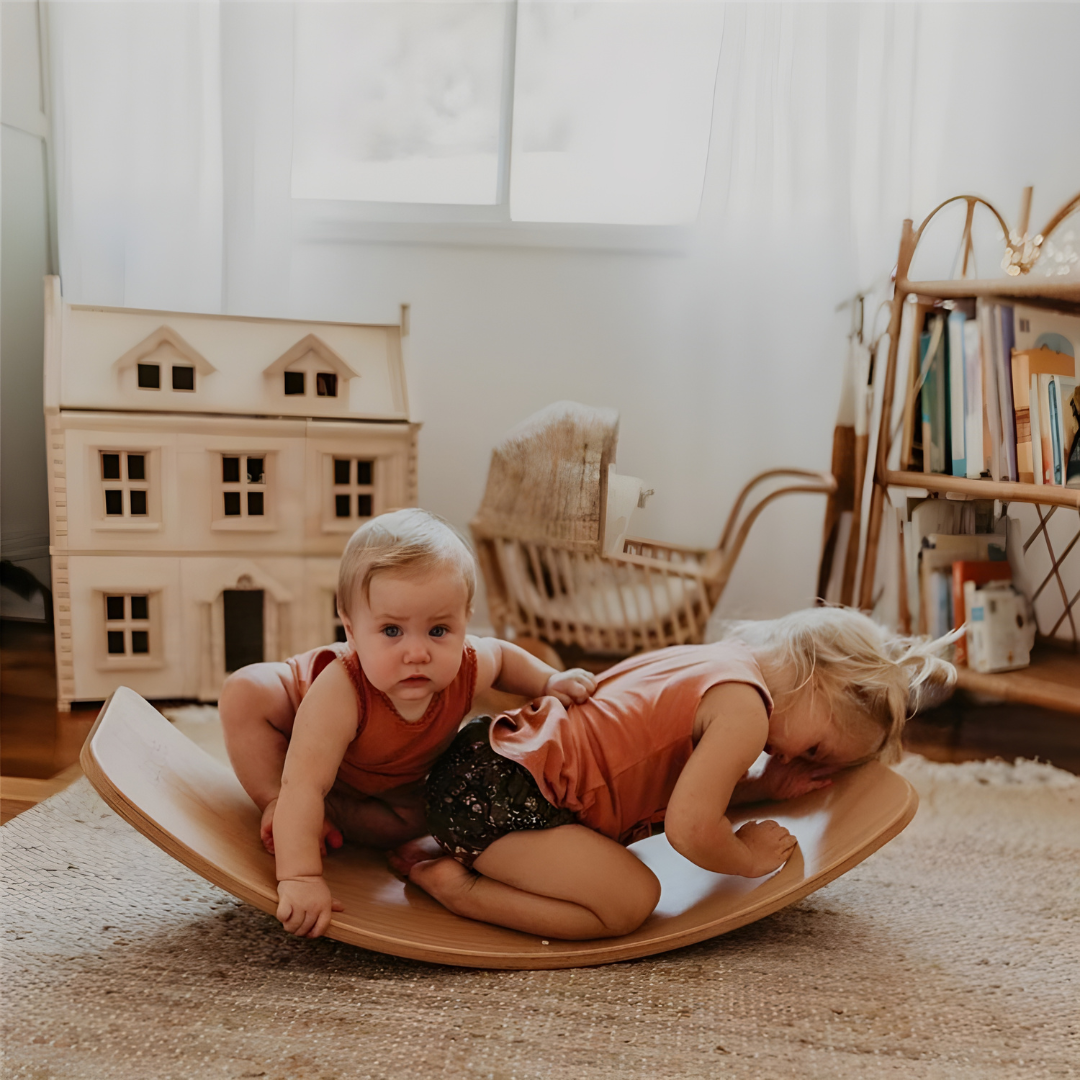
(404, 857)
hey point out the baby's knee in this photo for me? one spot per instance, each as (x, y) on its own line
(253, 694)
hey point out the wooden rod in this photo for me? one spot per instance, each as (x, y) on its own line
(1005, 490)
(1019, 287)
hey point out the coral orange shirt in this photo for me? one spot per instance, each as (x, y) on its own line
(387, 750)
(614, 760)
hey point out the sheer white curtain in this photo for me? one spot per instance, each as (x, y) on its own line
(137, 125)
(718, 341)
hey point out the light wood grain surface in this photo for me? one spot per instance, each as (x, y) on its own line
(194, 809)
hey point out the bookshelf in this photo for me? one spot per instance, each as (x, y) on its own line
(1053, 678)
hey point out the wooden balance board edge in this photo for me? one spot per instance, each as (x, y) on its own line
(194, 809)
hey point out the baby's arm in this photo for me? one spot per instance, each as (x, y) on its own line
(736, 726)
(325, 725)
(502, 665)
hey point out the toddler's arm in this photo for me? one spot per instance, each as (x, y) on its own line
(325, 725)
(502, 665)
(736, 726)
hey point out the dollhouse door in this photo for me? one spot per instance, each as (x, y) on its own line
(244, 627)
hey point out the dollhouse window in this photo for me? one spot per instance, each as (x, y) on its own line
(127, 624)
(125, 484)
(326, 384)
(339, 626)
(149, 376)
(294, 382)
(243, 486)
(354, 488)
(183, 377)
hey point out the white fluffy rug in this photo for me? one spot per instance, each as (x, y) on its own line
(952, 952)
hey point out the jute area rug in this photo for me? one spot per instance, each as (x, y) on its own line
(952, 952)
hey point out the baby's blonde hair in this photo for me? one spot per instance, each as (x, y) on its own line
(881, 677)
(408, 539)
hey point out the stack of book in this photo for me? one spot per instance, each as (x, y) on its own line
(994, 391)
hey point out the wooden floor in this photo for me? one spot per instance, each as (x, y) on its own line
(39, 747)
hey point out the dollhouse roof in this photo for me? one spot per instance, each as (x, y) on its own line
(314, 345)
(165, 344)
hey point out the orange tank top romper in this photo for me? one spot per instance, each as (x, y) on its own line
(610, 763)
(614, 760)
(387, 751)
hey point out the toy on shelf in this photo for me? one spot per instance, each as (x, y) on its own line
(551, 539)
(205, 473)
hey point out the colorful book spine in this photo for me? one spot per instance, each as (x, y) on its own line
(957, 394)
(935, 448)
(1025, 364)
(973, 401)
(1006, 323)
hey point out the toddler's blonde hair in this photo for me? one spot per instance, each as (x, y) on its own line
(862, 668)
(409, 539)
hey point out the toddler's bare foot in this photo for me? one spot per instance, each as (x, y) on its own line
(404, 857)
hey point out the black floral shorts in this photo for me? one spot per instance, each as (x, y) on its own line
(474, 796)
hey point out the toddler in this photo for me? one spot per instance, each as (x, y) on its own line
(335, 744)
(536, 806)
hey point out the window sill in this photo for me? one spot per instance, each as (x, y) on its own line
(126, 525)
(243, 524)
(131, 663)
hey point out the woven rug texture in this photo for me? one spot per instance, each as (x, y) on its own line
(952, 952)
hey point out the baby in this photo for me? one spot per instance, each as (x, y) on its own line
(334, 744)
(535, 807)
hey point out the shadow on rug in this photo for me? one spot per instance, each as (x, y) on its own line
(952, 952)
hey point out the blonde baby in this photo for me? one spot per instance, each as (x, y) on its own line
(335, 744)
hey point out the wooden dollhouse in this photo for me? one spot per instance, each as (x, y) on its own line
(205, 473)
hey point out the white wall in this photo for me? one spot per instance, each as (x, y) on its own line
(720, 343)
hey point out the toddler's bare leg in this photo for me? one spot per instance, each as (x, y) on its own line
(568, 882)
(385, 821)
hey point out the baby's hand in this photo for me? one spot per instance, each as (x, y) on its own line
(305, 906)
(329, 838)
(576, 685)
(770, 845)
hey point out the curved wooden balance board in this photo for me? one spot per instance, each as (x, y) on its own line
(193, 808)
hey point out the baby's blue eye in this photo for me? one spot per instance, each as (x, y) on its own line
(392, 631)
(439, 631)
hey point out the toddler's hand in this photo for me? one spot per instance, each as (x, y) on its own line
(770, 845)
(305, 906)
(790, 779)
(329, 838)
(576, 685)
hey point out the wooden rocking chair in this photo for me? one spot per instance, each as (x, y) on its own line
(551, 540)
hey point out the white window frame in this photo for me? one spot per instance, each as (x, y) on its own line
(326, 220)
(331, 490)
(244, 522)
(128, 660)
(125, 521)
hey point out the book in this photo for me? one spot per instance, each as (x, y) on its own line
(1060, 401)
(984, 311)
(1071, 428)
(1046, 436)
(939, 552)
(1036, 430)
(1006, 339)
(980, 572)
(1044, 328)
(934, 394)
(974, 411)
(957, 395)
(1025, 363)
